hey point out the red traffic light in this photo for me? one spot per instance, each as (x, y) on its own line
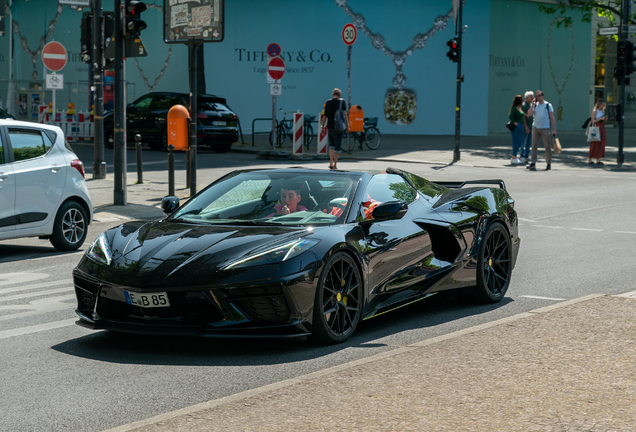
(135, 7)
(453, 50)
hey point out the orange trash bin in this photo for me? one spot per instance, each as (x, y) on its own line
(178, 118)
(356, 119)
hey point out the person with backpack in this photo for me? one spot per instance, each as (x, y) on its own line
(543, 119)
(335, 114)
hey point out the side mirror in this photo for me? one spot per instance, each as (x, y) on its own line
(390, 210)
(169, 204)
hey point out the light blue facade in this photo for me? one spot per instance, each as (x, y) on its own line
(309, 33)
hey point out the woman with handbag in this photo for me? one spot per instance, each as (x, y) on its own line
(597, 148)
(516, 118)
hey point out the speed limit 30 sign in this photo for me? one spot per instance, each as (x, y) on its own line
(349, 34)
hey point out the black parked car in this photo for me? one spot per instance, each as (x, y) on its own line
(293, 252)
(148, 116)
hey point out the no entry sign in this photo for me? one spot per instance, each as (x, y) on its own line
(54, 56)
(276, 68)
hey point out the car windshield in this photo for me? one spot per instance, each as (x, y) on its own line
(273, 198)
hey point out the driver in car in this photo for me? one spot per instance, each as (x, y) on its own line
(289, 201)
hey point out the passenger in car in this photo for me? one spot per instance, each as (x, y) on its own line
(289, 201)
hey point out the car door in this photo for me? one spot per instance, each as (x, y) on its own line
(397, 250)
(7, 189)
(40, 176)
(137, 118)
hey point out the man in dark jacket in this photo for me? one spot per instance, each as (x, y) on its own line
(335, 139)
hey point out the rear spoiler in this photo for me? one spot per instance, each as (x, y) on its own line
(458, 185)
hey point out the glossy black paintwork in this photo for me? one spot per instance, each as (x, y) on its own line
(432, 246)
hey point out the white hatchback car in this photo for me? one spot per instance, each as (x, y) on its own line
(43, 191)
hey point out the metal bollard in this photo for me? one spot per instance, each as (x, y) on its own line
(140, 169)
(170, 170)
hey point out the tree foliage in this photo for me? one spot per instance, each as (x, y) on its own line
(610, 10)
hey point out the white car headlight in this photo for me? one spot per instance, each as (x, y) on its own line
(276, 254)
(100, 250)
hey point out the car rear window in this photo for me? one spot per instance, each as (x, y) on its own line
(207, 105)
(28, 144)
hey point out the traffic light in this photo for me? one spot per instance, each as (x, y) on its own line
(133, 23)
(619, 73)
(453, 50)
(629, 58)
(86, 38)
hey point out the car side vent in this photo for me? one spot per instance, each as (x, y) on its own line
(444, 244)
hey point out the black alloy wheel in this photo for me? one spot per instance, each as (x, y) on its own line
(71, 227)
(339, 300)
(494, 268)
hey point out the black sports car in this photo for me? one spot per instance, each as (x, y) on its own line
(294, 252)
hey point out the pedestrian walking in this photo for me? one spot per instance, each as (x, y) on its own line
(597, 148)
(516, 117)
(527, 127)
(335, 138)
(543, 120)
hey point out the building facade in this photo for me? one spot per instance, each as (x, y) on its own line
(399, 69)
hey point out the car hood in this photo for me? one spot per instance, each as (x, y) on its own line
(169, 253)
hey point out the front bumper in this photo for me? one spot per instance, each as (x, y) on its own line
(275, 308)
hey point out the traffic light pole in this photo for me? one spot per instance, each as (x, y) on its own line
(620, 157)
(99, 165)
(460, 78)
(119, 145)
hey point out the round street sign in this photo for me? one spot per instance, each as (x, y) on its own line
(349, 34)
(273, 50)
(276, 68)
(54, 56)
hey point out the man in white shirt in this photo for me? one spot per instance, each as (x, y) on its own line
(543, 119)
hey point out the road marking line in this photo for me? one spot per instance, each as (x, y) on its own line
(546, 226)
(52, 305)
(36, 294)
(587, 229)
(18, 278)
(36, 328)
(543, 298)
(34, 286)
(527, 220)
(625, 232)
(377, 357)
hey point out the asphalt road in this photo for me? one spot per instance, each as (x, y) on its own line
(578, 234)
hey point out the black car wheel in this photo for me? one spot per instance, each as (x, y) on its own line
(339, 299)
(109, 135)
(71, 227)
(495, 265)
(162, 144)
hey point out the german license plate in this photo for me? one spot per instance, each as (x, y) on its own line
(147, 300)
(219, 123)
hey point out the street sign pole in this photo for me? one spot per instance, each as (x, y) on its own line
(275, 72)
(274, 122)
(192, 145)
(99, 165)
(349, 35)
(348, 92)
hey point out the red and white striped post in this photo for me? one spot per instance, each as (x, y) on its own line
(323, 138)
(299, 133)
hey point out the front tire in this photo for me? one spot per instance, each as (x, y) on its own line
(71, 227)
(494, 268)
(338, 301)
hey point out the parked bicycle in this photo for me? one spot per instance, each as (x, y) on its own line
(285, 129)
(369, 136)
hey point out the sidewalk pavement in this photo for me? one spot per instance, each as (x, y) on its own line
(566, 367)
(492, 151)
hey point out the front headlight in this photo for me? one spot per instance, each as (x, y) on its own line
(100, 250)
(276, 254)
